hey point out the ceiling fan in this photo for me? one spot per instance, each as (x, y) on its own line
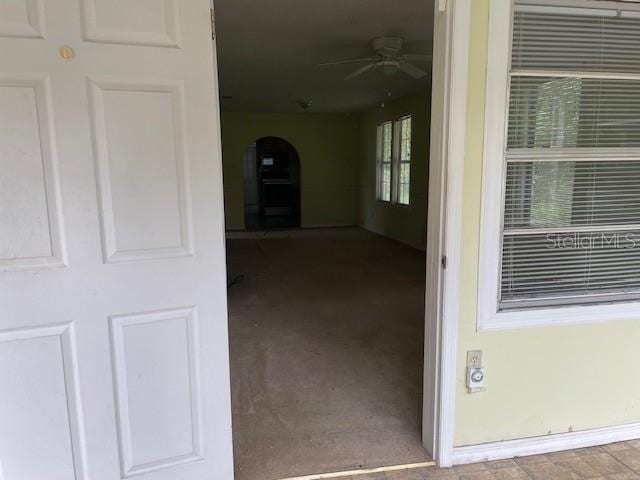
(388, 58)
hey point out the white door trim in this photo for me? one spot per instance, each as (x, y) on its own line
(449, 101)
(444, 237)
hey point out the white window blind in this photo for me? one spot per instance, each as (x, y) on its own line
(571, 229)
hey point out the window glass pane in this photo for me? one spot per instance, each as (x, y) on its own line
(579, 252)
(577, 39)
(564, 265)
(387, 142)
(386, 173)
(404, 179)
(571, 194)
(385, 135)
(405, 126)
(404, 185)
(387, 127)
(385, 193)
(405, 150)
(549, 112)
(386, 153)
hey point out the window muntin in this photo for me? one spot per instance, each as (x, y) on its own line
(571, 223)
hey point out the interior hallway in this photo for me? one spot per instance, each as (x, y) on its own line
(326, 335)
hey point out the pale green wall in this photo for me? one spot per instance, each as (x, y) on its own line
(405, 224)
(337, 158)
(539, 380)
(327, 145)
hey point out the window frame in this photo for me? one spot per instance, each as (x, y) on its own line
(489, 317)
(396, 161)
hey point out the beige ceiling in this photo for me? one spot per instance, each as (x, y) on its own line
(269, 50)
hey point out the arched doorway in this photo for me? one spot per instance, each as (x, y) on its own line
(271, 185)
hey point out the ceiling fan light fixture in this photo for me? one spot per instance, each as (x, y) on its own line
(389, 70)
(389, 67)
(304, 104)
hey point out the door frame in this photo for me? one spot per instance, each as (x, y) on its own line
(444, 224)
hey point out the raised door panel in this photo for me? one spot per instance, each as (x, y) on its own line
(110, 144)
(40, 417)
(22, 18)
(142, 166)
(30, 213)
(143, 22)
(157, 384)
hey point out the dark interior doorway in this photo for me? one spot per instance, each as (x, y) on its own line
(271, 185)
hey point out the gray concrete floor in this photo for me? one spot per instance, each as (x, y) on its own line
(326, 352)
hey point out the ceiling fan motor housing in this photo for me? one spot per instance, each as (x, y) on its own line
(387, 46)
(387, 59)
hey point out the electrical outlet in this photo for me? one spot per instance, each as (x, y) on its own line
(474, 359)
(475, 372)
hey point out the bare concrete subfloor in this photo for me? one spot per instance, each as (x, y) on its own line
(326, 352)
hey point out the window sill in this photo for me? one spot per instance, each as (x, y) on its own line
(393, 204)
(570, 315)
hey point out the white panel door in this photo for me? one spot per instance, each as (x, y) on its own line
(113, 322)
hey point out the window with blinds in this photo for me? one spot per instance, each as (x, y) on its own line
(394, 161)
(571, 218)
(385, 149)
(404, 160)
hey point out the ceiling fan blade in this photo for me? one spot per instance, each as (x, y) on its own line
(412, 70)
(360, 71)
(353, 60)
(416, 57)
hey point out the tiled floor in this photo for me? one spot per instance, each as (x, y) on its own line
(617, 461)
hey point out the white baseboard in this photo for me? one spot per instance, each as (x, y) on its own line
(547, 444)
(304, 231)
(329, 225)
(392, 237)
